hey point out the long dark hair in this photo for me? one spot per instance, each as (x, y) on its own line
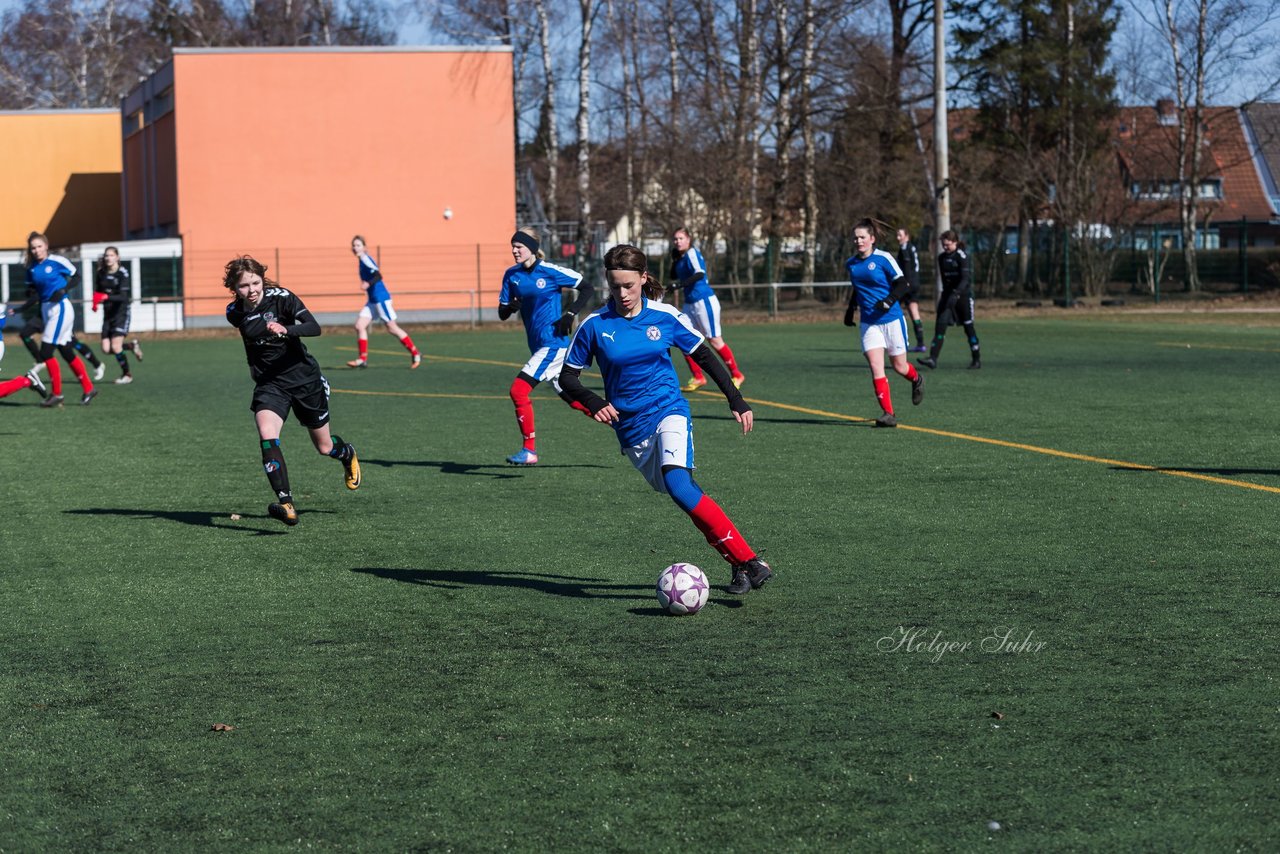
(237, 267)
(628, 257)
(27, 257)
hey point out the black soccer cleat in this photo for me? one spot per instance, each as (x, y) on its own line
(87, 397)
(887, 419)
(284, 512)
(758, 572)
(37, 385)
(917, 389)
(740, 584)
(975, 364)
(929, 362)
(51, 401)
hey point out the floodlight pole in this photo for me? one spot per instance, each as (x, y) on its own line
(942, 195)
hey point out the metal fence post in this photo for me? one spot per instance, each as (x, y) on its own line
(773, 300)
(478, 285)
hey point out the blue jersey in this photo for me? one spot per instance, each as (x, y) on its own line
(49, 276)
(375, 288)
(538, 289)
(690, 270)
(872, 278)
(632, 353)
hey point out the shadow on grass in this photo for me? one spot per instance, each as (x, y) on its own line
(498, 471)
(1221, 472)
(555, 585)
(659, 612)
(198, 518)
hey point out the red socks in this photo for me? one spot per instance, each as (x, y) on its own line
(408, 345)
(882, 394)
(720, 531)
(912, 374)
(77, 368)
(8, 387)
(727, 355)
(519, 391)
(697, 372)
(362, 344)
(55, 375)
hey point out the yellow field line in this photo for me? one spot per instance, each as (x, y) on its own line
(1035, 449)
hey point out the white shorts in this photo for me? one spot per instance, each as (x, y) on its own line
(545, 364)
(59, 317)
(890, 337)
(705, 314)
(379, 311)
(670, 445)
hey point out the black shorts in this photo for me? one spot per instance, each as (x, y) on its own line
(115, 323)
(309, 402)
(955, 309)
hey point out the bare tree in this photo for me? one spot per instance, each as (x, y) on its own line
(1211, 45)
(548, 121)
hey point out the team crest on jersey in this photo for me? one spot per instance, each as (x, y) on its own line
(871, 266)
(48, 268)
(269, 316)
(541, 283)
(652, 333)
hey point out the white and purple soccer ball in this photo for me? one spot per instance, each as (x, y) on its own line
(683, 589)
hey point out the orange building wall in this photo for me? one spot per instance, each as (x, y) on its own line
(60, 174)
(286, 155)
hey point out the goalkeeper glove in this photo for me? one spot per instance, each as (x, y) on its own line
(564, 325)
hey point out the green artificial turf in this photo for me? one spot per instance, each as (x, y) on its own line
(467, 656)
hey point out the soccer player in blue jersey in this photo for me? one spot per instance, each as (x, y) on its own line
(878, 285)
(27, 380)
(48, 279)
(532, 287)
(689, 270)
(272, 323)
(909, 262)
(955, 303)
(377, 306)
(628, 339)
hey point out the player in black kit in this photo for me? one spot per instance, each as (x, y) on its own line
(909, 261)
(272, 322)
(113, 291)
(955, 303)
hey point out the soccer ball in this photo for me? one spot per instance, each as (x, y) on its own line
(682, 589)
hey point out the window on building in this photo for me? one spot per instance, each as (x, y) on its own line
(160, 277)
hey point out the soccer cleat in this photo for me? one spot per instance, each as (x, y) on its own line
(37, 385)
(740, 583)
(417, 360)
(88, 396)
(136, 348)
(37, 367)
(887, 419)
(917, 389)
(351, 468)
(919, 348)
(52, 401)
(758, 572)
(124, 380)
(98, 372)
(738, 380)
(523, 457)
(284, 512)
(358, 363)
(694, 384)
(928, 362)
(975, 364)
